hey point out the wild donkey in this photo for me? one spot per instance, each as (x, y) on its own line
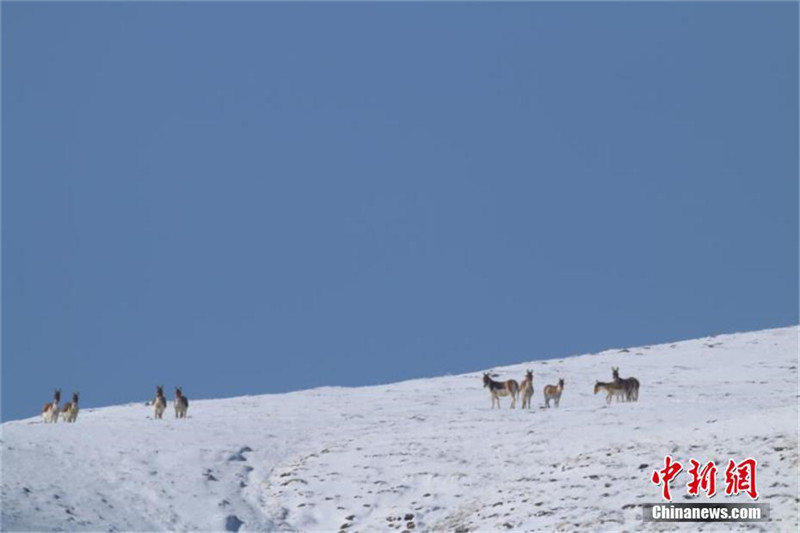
(501, 388)
(69, 413)
(50, 410)
(553, 392)
(160, 403)
(611, 389)
(181, 403)
(526, 389)
(631, 385)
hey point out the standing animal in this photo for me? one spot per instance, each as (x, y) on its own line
(50, 410)
(631, 385)
(160, 403)
(501, 388)
(611, 389)
(526, 389)
(181, 403)
(69, 413)
(553, 392)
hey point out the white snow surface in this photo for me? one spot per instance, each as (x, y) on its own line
(427, 454)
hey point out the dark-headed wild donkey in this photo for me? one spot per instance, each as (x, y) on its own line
(501, 388)
(611, 389)
(526, 389)
(631, 385)
(160, 403)
(553, 392)
(181, 403)
(50, 410)
(69, 413)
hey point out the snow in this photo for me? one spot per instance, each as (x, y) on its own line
(429, 454)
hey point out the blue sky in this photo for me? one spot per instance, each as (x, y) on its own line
(260, 197)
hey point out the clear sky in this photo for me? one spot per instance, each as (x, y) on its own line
(260, 197)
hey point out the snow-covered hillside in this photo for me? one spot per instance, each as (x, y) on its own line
(427, 454)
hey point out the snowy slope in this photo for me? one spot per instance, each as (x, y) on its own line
(429, 452)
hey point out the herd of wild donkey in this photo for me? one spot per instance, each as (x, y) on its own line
(626, 389)
(69, 413)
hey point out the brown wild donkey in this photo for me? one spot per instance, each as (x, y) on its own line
(160, 403)
(553, 392)
(69, 413)
(181, 403)
(501, 388)
(526, 389)
(50, 410)
(611, 389)
(631, 385)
